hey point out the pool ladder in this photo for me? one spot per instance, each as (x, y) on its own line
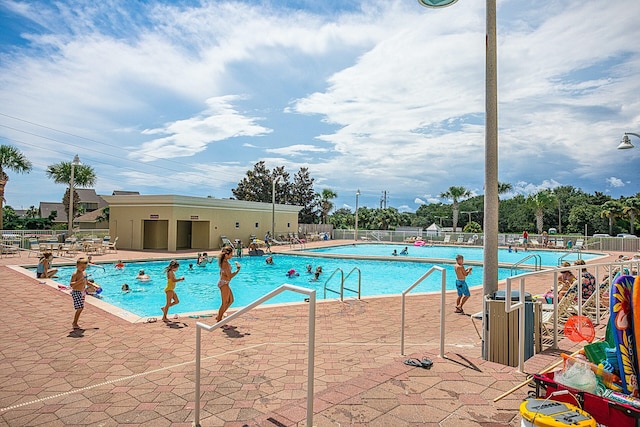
(537, 262)
(561, 259)
(343, 278)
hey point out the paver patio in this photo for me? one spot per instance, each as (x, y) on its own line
(114, 372)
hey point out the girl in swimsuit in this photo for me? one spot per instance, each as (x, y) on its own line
(225, 277)
(172, 297)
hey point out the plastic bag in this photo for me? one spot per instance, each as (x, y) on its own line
(578, 376)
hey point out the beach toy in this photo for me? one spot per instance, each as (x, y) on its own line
(579, 328)
(550, 413)
(621, 322)
(635, 310)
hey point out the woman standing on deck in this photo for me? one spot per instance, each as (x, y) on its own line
(225, 277)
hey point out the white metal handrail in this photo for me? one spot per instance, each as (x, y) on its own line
(311, 345)
(343, 288)
(443, 273)
(337, 270)
(521, 306)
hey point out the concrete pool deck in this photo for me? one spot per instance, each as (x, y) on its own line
(114, 372)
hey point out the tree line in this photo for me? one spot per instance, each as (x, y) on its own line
(566, 208)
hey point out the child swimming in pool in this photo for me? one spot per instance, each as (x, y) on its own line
(172, 297)
(225, 278)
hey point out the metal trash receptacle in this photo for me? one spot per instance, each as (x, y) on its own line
(503, 329)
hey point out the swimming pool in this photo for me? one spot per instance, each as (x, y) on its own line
(549, 258)
(199, 291)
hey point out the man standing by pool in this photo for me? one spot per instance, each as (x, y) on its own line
(461, 283)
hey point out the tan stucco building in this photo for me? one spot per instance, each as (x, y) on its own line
(173, 222)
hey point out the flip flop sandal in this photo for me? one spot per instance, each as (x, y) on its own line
(426, 363)
(413, 362)
(151, 320)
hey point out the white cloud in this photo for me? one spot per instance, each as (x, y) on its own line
(386, 97)
(615, 182)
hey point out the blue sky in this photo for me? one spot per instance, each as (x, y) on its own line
(184, 97)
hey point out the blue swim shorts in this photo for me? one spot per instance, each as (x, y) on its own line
(78, 299)
(462, 288)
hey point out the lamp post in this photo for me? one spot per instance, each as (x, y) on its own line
(625, 144)
(76, 162)
(490, 261)
(273, 206)
(469, 212)
(355, 235)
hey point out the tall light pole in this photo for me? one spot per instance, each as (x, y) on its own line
(490, 261)
(76, 162)
(625, 144)
(273, 206)
(355, 235)
(469, 212)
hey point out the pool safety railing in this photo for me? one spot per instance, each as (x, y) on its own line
(612, 269)
(537, 262)
(343, 278)
(297, 243)
(561, 259)
(443, 274)
(326, 282)
(311, 344)
(343, 288)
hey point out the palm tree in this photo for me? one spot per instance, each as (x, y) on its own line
(539, 202)
(325, 203)
(455, 194)
(32, 212)
(504, 187)
(631, 209)
(83, 176)
(10, 159)
(611, 210)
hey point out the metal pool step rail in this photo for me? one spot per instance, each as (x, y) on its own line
(343, 278)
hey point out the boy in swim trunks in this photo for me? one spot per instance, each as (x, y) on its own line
(225, 277)
(78, 286)
(461, 283)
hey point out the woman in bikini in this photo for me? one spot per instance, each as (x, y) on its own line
(225, 277)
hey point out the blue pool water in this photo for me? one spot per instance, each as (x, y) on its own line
(199, 291)
(549, 258)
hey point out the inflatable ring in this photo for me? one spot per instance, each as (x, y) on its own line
(475, 237)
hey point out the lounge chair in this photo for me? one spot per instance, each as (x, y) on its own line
(227, 242)
(460, 239)
(565, 310)
(34, 247)
(277, 242)
(559, 243)
(589, 305)
(447, 239)
(534, 243)
(111, 246)
(579, 244)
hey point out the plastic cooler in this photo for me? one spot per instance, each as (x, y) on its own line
(606, 412)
